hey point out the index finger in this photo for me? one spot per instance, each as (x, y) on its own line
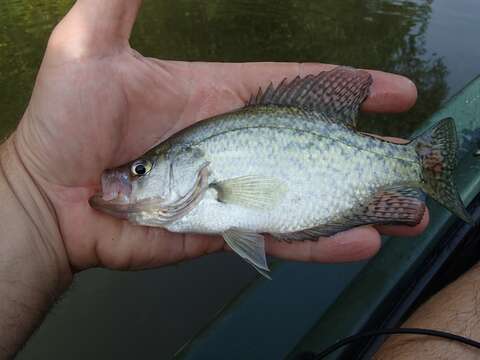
(388, 93)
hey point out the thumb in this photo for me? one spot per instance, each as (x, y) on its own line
(95, 28)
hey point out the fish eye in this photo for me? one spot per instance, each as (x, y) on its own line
(141, 167)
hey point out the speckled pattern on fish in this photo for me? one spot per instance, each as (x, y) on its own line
(290, 164)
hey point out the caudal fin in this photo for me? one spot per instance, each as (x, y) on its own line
(437, 152)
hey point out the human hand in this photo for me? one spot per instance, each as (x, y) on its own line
(98, 104)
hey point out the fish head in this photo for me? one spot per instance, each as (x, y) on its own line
(127, 189)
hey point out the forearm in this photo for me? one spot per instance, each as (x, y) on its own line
(33, 269)
(454, 309)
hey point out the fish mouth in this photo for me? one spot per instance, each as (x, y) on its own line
(115, 195)
(118, 207)
(123, 207)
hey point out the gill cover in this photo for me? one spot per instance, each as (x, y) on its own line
(155, 211)
(163, 214)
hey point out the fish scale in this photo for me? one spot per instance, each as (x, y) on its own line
(315, 167)
(291, 164)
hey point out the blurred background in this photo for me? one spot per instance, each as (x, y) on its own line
(153, 313)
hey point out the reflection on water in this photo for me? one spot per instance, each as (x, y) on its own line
(390, 35)
(386, 35)
(381, 34)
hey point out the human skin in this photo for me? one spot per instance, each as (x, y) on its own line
(98, 104)
(454, 309)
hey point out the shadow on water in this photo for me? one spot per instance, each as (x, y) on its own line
(381, 34)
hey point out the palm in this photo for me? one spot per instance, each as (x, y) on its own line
(99, 104)
(106, 113)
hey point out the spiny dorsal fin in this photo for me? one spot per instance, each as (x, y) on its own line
(337, 93)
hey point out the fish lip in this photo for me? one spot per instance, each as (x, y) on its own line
(115, 207)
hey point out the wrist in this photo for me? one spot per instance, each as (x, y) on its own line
(34, 268)
(38, 213)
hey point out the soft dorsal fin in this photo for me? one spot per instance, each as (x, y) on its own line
(337, 93)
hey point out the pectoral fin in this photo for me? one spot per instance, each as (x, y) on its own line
(250, 246)
(250, 191)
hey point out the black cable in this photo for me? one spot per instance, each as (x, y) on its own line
(353, 338)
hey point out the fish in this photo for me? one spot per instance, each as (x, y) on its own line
(290, 164)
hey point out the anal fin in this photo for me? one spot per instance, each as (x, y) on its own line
(391, 206)
(312, 233)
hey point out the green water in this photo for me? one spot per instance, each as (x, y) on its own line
(388, 35)
(112, 315)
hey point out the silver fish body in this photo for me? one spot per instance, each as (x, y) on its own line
(321, 171)
(290, 164)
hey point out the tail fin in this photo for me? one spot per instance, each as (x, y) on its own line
(437, 152)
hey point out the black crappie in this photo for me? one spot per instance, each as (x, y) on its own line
(290, 164)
